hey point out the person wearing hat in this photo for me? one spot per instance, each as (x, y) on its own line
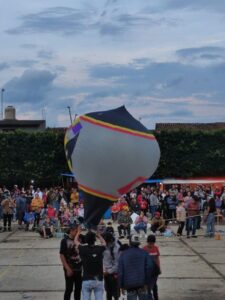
(72, 264)
(134, 277)
(158, 223)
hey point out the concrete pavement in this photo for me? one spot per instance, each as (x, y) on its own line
(191, 268)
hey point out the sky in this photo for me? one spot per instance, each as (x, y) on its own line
(163, 59)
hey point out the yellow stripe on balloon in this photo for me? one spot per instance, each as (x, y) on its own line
(97, 193)
(117, 128)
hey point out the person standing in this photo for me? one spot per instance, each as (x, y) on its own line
(181, 217)
(8, 206)
(153, 202)
(20, 207)
(36, 206)
(92, 260)
(135, 271)
(153, 250)
(72, 264)
(210, 217)
(110, 267)
(172, 204)
(193, 211)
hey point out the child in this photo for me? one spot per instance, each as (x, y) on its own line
(181, 217)
(47, 228)
(29, 219)
(153, 250)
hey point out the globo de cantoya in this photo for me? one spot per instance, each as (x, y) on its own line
(110, 153)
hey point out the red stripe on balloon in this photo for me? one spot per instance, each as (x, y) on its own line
(97, 193)
(117, 128)
(125, 189)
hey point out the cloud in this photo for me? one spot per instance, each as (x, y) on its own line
(3, 66)
(32, 87)
(211, 5)
(25, 63)
(123, 22)
(63, 20)
(202, 54)
(28, 46)
(45, 54)
(164, 80)
(71, 21)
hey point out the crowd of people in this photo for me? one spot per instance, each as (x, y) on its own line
(109, 265)
(141, 209)
(41, 210)
(187, 206)
(87, 264)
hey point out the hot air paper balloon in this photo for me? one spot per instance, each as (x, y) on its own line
(110, 153)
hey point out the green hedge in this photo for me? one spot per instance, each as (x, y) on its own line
(191, 153)
(37, 156)
(40, 155)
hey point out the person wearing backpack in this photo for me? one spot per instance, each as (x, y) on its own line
(153, 251)
(92, 260)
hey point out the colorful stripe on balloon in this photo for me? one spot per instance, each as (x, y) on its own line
(117, 128)
(97, 193)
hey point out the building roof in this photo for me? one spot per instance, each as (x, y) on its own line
(188, 126)
(13, 124)
(21, 122)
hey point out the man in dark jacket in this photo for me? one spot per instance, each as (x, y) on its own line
(135, 271)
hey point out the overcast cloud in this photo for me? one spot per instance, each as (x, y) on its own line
(165, 59)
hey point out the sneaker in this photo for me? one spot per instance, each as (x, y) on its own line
(194, 236)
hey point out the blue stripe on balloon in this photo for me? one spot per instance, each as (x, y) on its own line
(77, 128)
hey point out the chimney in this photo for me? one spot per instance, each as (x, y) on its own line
(10, 113)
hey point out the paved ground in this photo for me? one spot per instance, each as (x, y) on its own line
(30, 268)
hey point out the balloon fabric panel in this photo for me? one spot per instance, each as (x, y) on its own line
(111, 153)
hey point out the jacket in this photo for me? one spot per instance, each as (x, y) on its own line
(111, 258)
(8, 206)
(181, 214)
(37, 204)
(135, 268)
(20, 204)
(122, 219)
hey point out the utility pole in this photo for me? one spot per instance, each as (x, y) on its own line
(2, 107)
(70, 114)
